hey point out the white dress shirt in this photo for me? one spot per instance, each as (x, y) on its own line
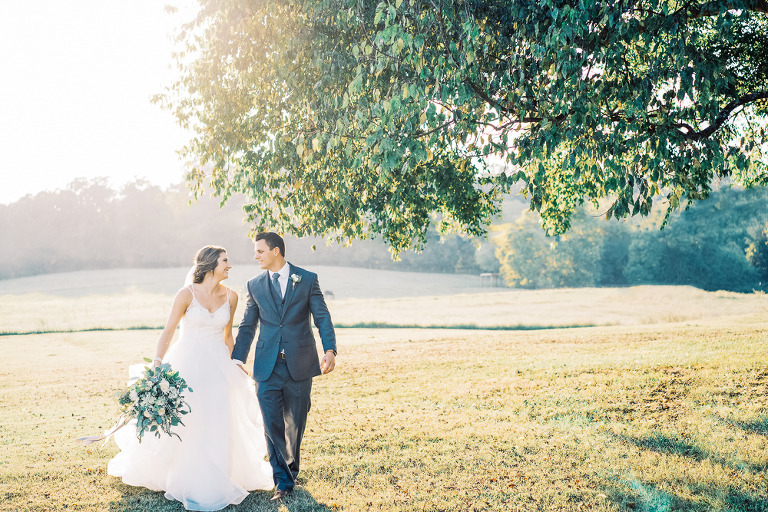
(284, 277)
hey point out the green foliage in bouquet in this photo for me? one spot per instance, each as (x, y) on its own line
(156, 401)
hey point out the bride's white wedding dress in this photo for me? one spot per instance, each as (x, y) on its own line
(220, 456)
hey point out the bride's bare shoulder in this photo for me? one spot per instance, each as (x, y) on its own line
(232, 294)
(185, 293)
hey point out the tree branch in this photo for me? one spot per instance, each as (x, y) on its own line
(433, 130)
(487, 98)
(722, 117)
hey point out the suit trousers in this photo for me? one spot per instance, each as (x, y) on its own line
(284, 405)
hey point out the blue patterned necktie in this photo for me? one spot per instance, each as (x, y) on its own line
(276, 293)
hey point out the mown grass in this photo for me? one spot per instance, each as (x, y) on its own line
(660, 406)
(655, 417)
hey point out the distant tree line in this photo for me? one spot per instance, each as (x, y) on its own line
(721, 243)
(90, 225)
(717, 244)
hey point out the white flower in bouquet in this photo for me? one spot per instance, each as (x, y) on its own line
(155, 401)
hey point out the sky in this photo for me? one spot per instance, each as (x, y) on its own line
(76, 78)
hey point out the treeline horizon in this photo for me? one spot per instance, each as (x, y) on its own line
(716, 244)
(89, 225)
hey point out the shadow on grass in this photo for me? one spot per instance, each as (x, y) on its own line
(90, 329)
(359, 325)
(757, 426)
(665, 444)
(469, 327)
(632, 494)
(139, 499)
(743, 502)
(635, 495)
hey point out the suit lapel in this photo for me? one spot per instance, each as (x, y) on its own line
(288, 291)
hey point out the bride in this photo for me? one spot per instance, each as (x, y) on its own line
(220, 456)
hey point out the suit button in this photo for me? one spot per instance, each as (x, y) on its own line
(281, 325)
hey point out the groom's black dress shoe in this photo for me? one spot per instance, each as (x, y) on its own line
(280, 494)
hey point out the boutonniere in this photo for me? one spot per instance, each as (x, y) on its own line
(296, 278)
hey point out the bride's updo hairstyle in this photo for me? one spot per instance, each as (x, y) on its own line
(206, 260)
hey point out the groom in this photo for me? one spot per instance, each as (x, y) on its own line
(286, 357)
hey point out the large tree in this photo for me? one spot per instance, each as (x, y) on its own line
(353, 118)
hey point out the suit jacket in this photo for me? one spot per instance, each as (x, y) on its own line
(291, 326)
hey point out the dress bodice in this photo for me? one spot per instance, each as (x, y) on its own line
(199, 322)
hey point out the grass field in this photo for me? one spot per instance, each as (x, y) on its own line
(661, 406)
(142, 298)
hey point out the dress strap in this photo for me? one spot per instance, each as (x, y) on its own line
(192, 289)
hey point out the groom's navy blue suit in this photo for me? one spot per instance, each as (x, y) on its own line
(283, 385)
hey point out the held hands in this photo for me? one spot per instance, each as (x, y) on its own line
(328, 363)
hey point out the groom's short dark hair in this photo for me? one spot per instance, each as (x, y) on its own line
(272, 240)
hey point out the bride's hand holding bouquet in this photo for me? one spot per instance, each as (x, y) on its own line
(155, 401)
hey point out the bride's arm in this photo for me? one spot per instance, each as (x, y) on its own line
(180, 304)
(229, 339)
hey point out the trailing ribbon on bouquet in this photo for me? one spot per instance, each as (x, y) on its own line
(92, 439)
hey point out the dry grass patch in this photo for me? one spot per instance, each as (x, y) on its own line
(631, 418)
(558, 422)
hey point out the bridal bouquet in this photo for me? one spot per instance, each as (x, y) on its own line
(156, 401)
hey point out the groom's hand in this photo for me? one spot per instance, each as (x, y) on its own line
(328, 363)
